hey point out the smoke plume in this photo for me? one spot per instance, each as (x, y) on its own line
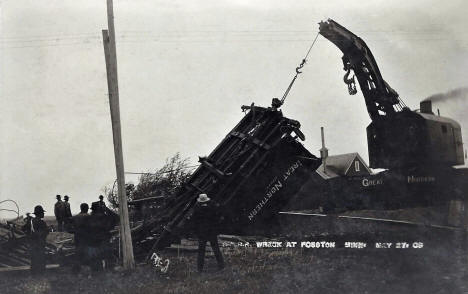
(454, 104)
(458, 93)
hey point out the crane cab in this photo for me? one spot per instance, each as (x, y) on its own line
(410, 138)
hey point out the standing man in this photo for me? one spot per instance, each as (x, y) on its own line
(101, 222)
(37, 231)
(81, 224)
(59, 211)
(67, 210)
(67, 207)
(102, 204)
(206, 219)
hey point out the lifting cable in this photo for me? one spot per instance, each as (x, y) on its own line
(304, 60)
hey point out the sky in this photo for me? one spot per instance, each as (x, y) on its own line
(185, 68)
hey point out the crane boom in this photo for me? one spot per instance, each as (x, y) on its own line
(381, 99)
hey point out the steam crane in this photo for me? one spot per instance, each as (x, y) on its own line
(398, 138)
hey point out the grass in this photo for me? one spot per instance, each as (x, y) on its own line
(282, 270)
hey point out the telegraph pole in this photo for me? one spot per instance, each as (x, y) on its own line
(113, 88)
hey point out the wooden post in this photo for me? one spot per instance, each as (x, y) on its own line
(113, 88)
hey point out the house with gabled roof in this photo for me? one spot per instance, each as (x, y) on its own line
(336, 183)
(343, 165)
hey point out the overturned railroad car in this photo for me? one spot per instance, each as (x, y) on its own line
(251, 175)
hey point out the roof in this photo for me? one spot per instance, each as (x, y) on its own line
(338, 165)
(440, 119)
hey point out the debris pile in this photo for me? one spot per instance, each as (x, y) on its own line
(251, 174)
(14, 245)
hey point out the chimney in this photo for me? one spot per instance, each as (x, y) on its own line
(426, 107)
(323, 150)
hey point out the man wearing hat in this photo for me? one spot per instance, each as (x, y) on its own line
(206, 219)
(67, 219)
(37, 232)
(67, 206)
(59, 211)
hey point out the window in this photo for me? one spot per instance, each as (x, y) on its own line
(356, 166)
(444, 129)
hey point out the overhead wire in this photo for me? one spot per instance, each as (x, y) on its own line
(193, 36)
(163, 172)
(248, 32)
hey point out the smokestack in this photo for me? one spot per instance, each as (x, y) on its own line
(323, 150)
(426, 107)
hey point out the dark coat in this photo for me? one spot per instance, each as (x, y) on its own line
(36, 230)
(37, 237)
(59, 209)
(100, 225)
(67, 210)
(205, 219)
(102, 205)
(39, 232)
(82, 228)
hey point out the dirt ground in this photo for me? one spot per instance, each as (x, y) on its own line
(432, 269)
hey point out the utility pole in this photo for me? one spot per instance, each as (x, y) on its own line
(113, 88)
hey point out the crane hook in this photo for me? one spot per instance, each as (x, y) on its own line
(300, 66)
(350, 82)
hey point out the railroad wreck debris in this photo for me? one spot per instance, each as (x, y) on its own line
(14, 246)
(251, 174)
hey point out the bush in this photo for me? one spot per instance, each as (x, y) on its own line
(163, 182)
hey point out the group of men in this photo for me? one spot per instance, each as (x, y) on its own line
(62, 212)
(92, 233)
